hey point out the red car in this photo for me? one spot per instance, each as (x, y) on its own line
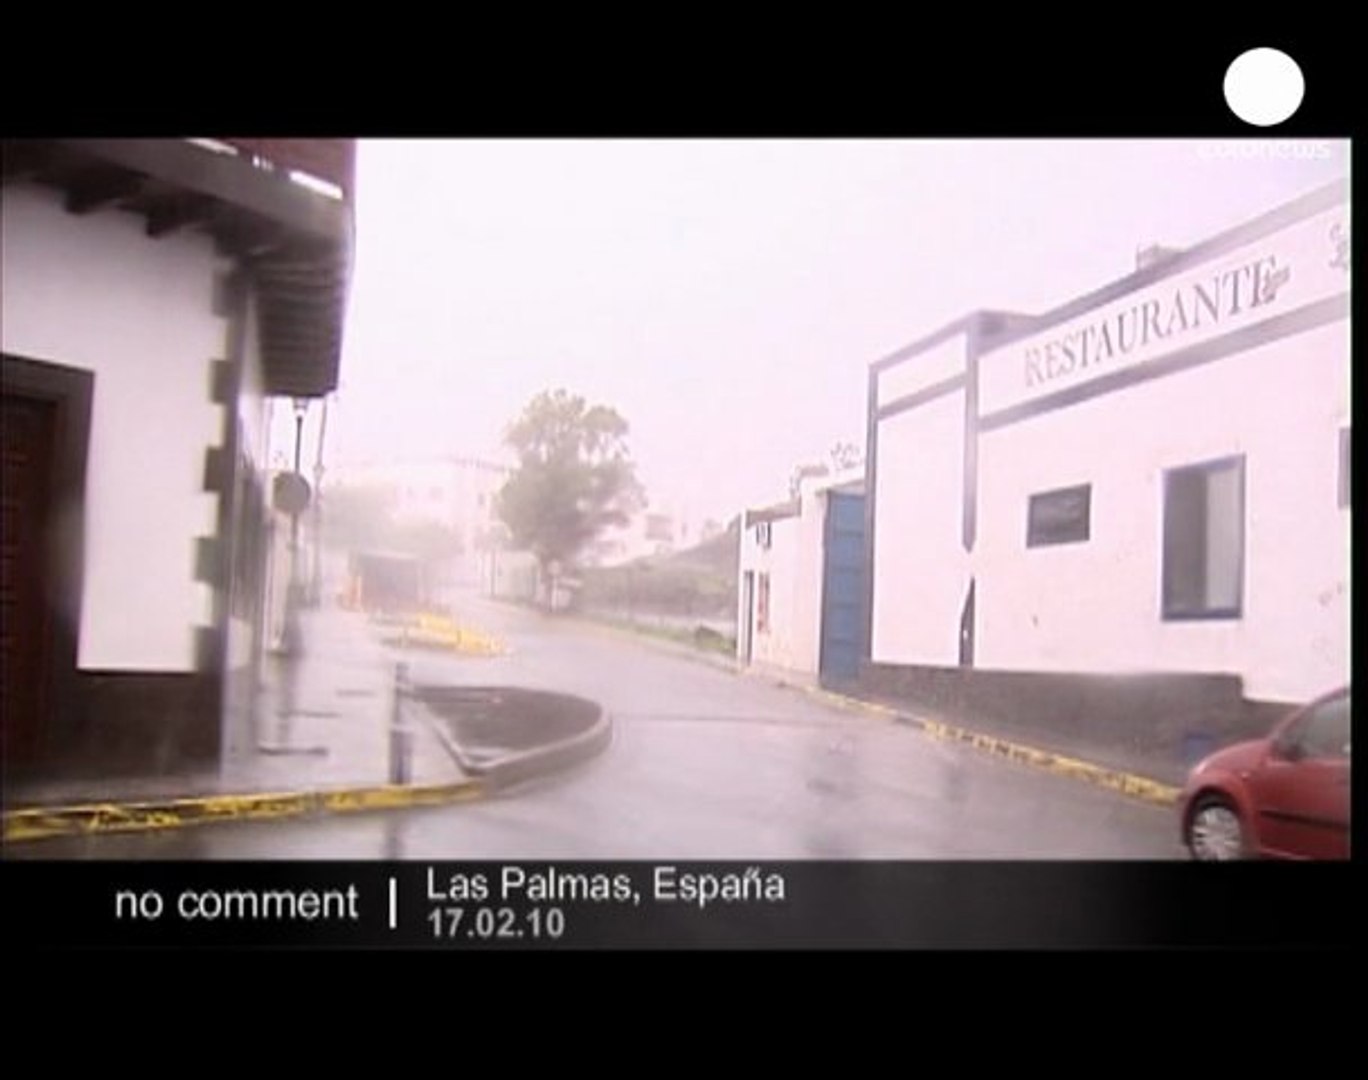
(1285, 796)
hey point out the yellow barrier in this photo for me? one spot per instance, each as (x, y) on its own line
(440, 631)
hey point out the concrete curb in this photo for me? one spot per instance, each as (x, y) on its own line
(509, 769)
(1132, 784)
(27, 824)
(38, 823)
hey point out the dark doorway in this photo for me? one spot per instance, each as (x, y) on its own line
(25, 610)
(747, 628)
(46, 435)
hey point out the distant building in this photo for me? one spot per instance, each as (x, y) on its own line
(155, 294)
(513, 575)
(660, 529)
(457, 492)
(800, 594)
(650, 533)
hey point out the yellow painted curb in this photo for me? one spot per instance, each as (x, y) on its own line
(1140, 787)
(38, 823)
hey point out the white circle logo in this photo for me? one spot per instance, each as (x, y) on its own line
(1264, 87)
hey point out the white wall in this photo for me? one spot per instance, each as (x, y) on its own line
(796, 564)
(777, 645)
(808, 573)
(252, 412)
(1096, 606)
(934, 364)
(921, 570)
(241, 702)
(253, 443)
(94, 292)
(513, 574)
(279, 565)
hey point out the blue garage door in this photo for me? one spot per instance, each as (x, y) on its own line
(843, 588)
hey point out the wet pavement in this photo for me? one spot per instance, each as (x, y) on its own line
(327, 727)
(704, 763)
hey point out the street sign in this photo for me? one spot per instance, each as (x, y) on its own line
(291, 493)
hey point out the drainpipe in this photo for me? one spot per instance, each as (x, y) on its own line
(316, 586)
(301, 406)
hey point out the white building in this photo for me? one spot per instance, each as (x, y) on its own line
(452, 489)
(800, 588)
(652, 532)
(155, 292)
(457, 492)
(1152, 479)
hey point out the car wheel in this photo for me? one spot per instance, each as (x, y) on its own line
(1215, 832)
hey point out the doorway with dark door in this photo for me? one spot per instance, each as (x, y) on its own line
(25, 640)
(747, 627)
(45, 421)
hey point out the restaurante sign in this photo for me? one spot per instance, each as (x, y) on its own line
(1190, 306)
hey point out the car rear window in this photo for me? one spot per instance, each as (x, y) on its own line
(1327, 730)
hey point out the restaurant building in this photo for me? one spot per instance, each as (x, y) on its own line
(1132, 511)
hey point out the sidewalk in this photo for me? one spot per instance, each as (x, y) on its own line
(336, 737)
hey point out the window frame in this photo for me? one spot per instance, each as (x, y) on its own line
(1208, 466)
(1293, 737)
(1307, 749)
(1345, 458)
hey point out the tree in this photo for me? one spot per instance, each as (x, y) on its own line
(574, 479)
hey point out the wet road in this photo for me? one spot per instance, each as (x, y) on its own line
(704, 764)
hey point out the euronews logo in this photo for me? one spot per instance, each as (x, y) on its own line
(1266, 150)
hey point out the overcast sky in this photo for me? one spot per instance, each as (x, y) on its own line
(728, 296)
